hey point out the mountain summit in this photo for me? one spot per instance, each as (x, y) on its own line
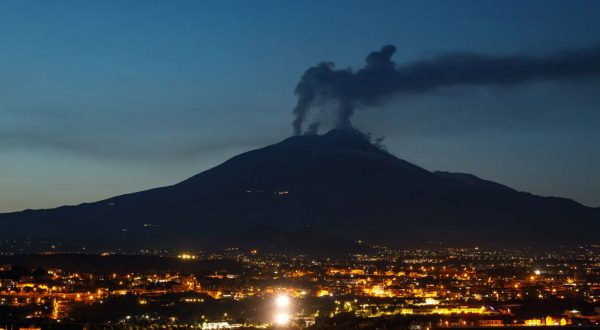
(338, 182)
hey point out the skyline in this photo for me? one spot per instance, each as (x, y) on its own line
(102, 99)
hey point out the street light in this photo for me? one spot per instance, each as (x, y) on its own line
(282, 319)
(282, 301)
(282, 316)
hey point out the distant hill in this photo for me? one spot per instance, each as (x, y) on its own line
(339, 184)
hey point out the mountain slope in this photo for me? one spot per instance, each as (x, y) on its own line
(338, 182)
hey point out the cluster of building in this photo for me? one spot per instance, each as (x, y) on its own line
(434, 288)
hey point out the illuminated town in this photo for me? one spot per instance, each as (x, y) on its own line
(412, 289)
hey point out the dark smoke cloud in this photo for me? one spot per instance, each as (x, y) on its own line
(324, 87)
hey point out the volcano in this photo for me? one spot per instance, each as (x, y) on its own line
(338, 187)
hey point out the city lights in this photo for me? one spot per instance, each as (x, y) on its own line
(299, 292)
(186, 256)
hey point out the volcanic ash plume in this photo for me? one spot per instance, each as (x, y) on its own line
(324, 88)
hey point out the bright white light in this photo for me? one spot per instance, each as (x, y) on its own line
(282, 319)
(282, 301)
(537, 272)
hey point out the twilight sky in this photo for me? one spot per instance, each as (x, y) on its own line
(99, 98)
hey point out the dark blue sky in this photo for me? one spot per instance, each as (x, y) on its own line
(99, 98)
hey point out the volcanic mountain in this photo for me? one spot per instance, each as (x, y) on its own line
(335, 188)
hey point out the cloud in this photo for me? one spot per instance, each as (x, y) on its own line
(325, 87)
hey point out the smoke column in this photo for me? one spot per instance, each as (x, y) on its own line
(342, 91)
